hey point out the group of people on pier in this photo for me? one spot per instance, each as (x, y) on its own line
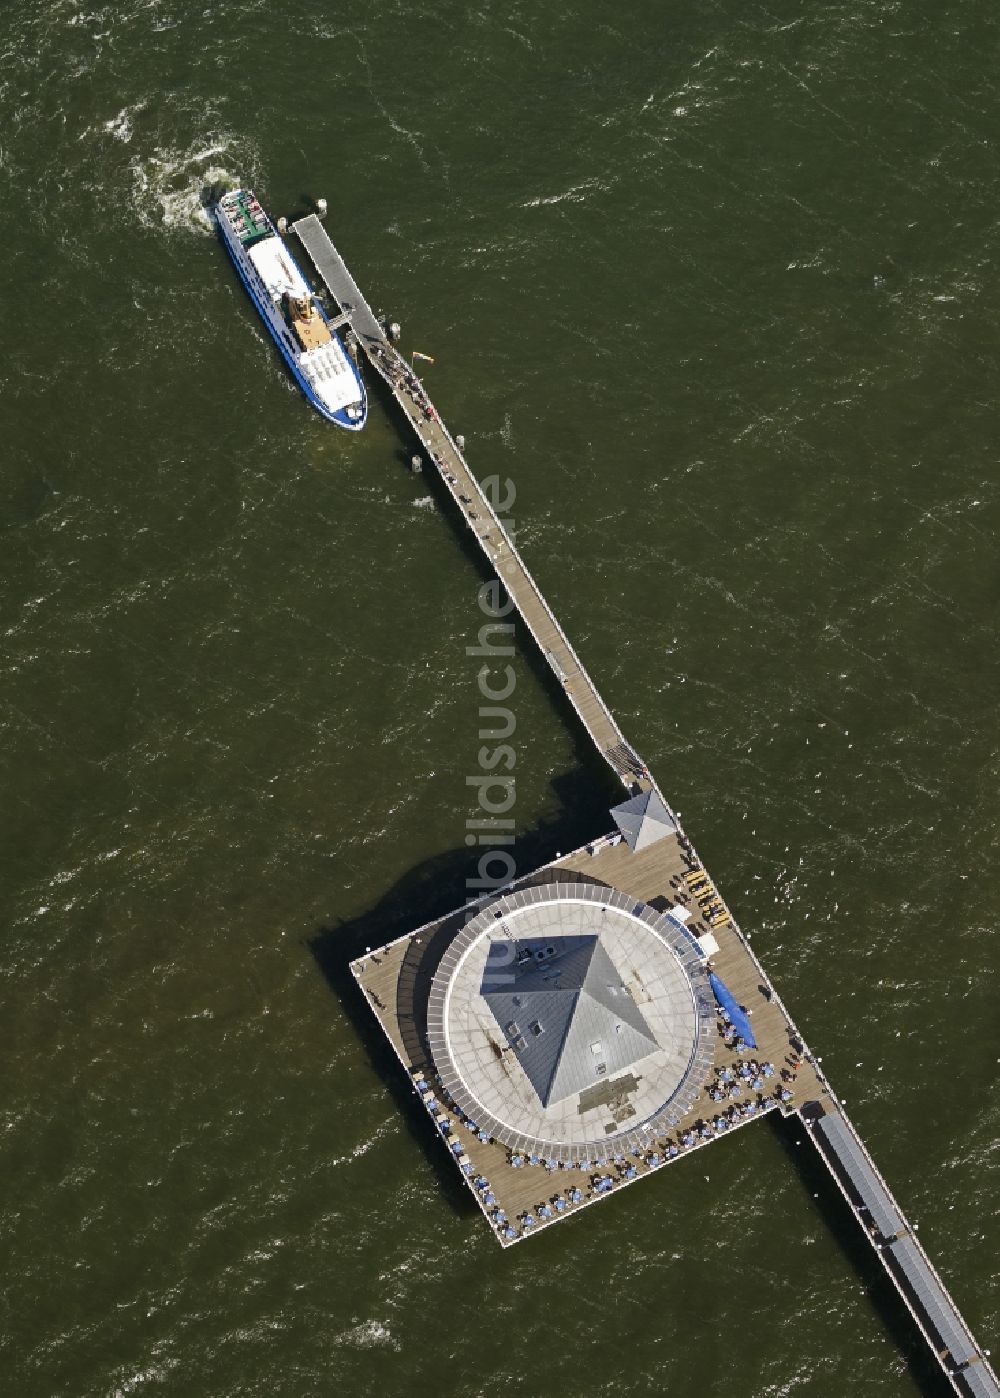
(402, 378)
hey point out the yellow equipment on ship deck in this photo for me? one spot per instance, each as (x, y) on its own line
(309, 326)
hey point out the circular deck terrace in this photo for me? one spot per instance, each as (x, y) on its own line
(626, 1044)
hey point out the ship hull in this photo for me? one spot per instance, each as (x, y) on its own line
(278, 328)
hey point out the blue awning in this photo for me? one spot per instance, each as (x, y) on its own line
(727, 1000)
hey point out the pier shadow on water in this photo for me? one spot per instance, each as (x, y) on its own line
(437, 887)
(899, 1326)
(333, 949)
(429, 891)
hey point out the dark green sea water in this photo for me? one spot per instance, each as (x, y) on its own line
(718, 287)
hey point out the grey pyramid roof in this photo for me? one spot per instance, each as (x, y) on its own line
(643, 820)
(563, 1009)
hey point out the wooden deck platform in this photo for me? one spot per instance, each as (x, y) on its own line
(396, 980)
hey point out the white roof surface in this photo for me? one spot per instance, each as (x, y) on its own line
(661, 1058)
(327, 368)
(331, 376)
(278, 272)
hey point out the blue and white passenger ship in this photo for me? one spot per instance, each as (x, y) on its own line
(300, 328)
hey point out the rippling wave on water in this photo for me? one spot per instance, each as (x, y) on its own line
(718, 292)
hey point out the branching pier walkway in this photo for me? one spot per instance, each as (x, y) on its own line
(837, 1142)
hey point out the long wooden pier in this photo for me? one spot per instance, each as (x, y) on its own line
(835, 1138)
(486, 524)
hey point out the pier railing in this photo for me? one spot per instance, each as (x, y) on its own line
(411, 395)
(959, 1368)
(404, 371)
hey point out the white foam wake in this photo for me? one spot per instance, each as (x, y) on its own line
(171, 188)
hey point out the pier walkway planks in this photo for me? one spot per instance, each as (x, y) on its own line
(338, 280)
(481, 516)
